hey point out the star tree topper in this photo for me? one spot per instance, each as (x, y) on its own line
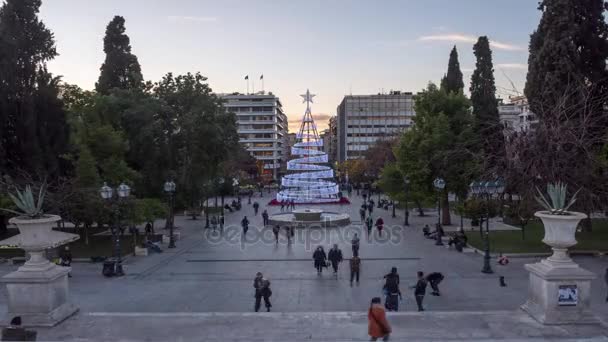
(307, 98)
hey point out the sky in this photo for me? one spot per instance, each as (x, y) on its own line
(332, 47)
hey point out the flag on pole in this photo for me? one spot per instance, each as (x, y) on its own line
(262, 76)
(247, 77)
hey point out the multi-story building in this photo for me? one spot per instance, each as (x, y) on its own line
(262, 129)
(325, 137)
(364, 119)
(516, 116)
(333, 140)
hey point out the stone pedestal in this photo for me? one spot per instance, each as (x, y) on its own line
(559, 294)
(40, 298)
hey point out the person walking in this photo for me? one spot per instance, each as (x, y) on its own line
(355, 267)
(275, 230)
(262, 290)
(214, 222)
(293, 204)
(380, 225)
(606, 280)
(434, 279)
(362, 214)
(370, 206)
(420, 290)
(221, 222)
(245, 225)
(256, 206)
(282, 205)
(320, 258)
(391, 290)
(378, 326)
(265, 217)
(369, 223)
(335, 257)
(355, 244)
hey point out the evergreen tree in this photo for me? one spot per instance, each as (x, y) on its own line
(452, 81)
(121, 69)
(568, 50)
(33, 128)
(485, 106)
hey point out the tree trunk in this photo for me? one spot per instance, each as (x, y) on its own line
(446, 220)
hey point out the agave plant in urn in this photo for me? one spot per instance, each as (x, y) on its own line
(35, 228)
(560, 224)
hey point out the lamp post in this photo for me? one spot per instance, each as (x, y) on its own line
(439, 185)
(107, 193)
(487, 190)
(406, 183)
(169, 188)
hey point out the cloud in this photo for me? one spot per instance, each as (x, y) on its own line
(457, 37)
(175, 18)
(321, 117)
(518, 66)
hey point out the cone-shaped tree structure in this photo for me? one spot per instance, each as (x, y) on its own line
(310, 181)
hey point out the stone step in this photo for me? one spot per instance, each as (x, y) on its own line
(313, 326)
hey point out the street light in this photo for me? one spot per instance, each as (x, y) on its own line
(487, 190)
(439, 185)
(169, 188)
(106, 193)
(406, 183)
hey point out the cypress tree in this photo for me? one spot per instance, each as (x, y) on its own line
(452, 81)
(485, 106)
(120, 68)
(568, 51)
(33, 128)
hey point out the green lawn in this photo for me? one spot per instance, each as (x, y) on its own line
(512, 242)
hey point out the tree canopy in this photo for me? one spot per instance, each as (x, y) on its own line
(452, 81)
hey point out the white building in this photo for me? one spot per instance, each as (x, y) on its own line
(516, 115)
(364, 119)
(262, 128)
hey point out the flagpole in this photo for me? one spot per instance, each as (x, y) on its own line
(247, 78)
(262, 83)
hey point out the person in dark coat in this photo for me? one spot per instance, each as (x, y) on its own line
(355, 268)
(293, 204)
(256, 207)
(434, 279)
(420, 290)
(362, 214)
(245, 225)
(262, 290)
(275, 230)
(355, 244)
(335, 257)
(265, 217)
(282, 205)
(606, 280)
(380, 225)
(319, 257)
(392, 291)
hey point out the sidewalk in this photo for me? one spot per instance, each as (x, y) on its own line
(314, 326)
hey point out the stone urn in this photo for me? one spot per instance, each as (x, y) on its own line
(560, 234)
(38, 290)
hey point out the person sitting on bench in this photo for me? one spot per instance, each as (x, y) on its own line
(426, 230)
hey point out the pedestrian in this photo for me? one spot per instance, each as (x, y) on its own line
(335, 257)
(420, 290)
(149, 230)
(320, 258)
(379, 225)
(282, 205)
(355, 244)
(265, 217)
(262, 290)
(369, 222)
(276, 230)
(434, 279)
(370, 206)
(256, 206)
(362, 214)
(65, 259)
(214, 222)
(288, 234)
(15, 332)
(606, 280)
(391, 290)
(355, 267)
(245, 225)
(378, 326)
(221, 222)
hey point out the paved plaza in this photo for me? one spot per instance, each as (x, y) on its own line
(210, 272)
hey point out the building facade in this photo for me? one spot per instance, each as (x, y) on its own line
(262, 129)
(332, 149)
(515, 115)
(364, 119)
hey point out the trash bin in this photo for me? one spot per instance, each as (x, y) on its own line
(108, 268)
